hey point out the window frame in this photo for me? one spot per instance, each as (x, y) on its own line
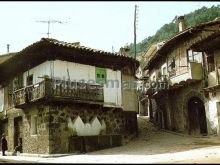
(101, 72)
(193, 54)
(211, 65)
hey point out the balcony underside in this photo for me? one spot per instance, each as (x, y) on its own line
(57, 100)
(154, 93)
(182, 84)
(215, 88)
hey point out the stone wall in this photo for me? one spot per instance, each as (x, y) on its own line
(52, 125)
(117, 122)
(179, 108)
(175, 105)
(36, 143)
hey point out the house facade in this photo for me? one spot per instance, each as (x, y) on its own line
(61, 97)
(177, 77)
(210, 47)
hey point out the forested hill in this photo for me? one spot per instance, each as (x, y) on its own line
(169, 30)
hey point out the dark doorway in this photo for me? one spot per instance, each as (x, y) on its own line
(17, 130)
(197, 116)
(165, 118)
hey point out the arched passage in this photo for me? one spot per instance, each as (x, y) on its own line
(197, 116)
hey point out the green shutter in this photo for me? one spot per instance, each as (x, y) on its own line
(100, 74)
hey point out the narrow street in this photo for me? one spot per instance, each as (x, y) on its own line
(152, 146)
(153, 141)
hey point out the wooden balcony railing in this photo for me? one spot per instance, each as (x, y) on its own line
(63, 91)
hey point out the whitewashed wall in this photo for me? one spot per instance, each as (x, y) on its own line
(76, 71)
(65, 70)
(212, 114)
(112, 95)
(45, 68)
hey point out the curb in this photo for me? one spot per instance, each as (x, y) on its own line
(41, 155)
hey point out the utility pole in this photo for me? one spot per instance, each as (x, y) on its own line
(135, 54)
(48, 24)
(135, 29)
(135, 35)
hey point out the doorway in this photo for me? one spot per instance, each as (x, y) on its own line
(17, 130)
(197, 116)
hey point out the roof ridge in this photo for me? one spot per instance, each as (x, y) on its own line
(55, 41)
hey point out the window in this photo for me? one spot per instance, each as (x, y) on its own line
(171, 64)
(100, 75)
(211, 62)
(164, 70)
(30, 80)
(34, 125)
(190, 56)
(171, 67)
(154, 78)
(193, 56)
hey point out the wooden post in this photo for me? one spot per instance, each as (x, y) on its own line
(216, 71)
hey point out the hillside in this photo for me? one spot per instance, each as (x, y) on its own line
(169, 30)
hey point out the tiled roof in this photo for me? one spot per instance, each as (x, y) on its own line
(77, 46)
(51, 49)
(5, 57)
(179, 36)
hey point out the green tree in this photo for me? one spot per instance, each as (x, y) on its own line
(169, 30)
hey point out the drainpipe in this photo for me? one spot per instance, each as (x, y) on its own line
(204, 64)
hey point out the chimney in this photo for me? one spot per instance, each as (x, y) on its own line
(182, 25)
(124, 50)
(76, 43)
(8, 48)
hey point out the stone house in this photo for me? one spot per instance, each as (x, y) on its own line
(61, 97)
(177, 78)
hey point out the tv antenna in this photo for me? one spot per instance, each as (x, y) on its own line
(48, 24)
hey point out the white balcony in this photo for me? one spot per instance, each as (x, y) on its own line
(192, 72)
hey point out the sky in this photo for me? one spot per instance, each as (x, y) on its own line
(104, 25)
